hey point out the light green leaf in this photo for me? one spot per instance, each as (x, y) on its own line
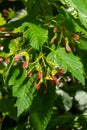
(24, 92)
(25, 96)
(23, 88)
(68, 62)
(36, 35)
(2, 21)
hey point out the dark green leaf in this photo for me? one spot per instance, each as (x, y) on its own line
(39, 9)
(61, 121)
(81, 8)
(41, 108)
(7, 106)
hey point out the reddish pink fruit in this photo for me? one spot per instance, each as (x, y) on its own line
(29, 74)
(55, 30)
(61, 72)
(17, 57)
(56, 80)
(68, 48)
(40, 75)
(75, 37)
(1, 59)
(53, 40)
(25, 64)
(38, 86)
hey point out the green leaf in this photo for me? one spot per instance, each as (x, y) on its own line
(74, 25)
(33, 9)
(80, 6)
(39, 9)
(24, 93)
(67, 100)
(23, 88)
(7, 106)
(61, 121)
(36, 35)
(83, 43)
(41, 108)
(13, 77)
(68, 62)
(2, 21)
(18, 82)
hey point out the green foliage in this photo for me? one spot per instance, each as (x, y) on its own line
(41, 109)
(36, 9)
(37, 36)
(43, 72)
(2, 21)
(10, 109)
(83, 44)
(68, 62)
(80, 7)
(23, 88)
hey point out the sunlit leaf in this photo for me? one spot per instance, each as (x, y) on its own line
(36, 35)
(68, 62)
